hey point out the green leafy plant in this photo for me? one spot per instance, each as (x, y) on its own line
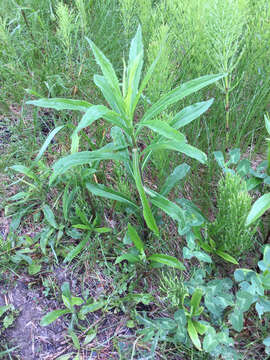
(254, 289)
(121, 115)
(137, 255)
(228, 231)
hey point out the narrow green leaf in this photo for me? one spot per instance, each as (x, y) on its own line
(200, 327)
(178, 174)
(163, 129)
(167, 260)
(115, 102)
(75, 340)
(92, 114)
(147, 213)
(52, 316)
(227, 257)
(102, 230)
(68, 198)
(108, 72)
(258, 209)
(97, 305)
(75, 300)
(74, 252)
(267, 123)
(179, 93)
(48, 141)
(61, 104)
(180, 147)
(44, 238)
(194, 335)
(49, 216)
(195, 301)
(24, 170)
(83, 158)
(190, 113)
(104, 191)
(170, 208)
(135, 238)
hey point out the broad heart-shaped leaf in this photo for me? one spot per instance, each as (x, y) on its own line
(243, 302)
(61, 104)
(48, 141)
(178, 174)
(170, 208)
(74, 252)
(52, 316)
(108, 72)
(180, 147)
(167, 260)
(135, 64)
(147, 213)
(192, 332)
(258, 209)
(164, 129)
(179, 93)
(84, 157)
(132, 233)
(104, 191)
(49, 216)
(190, 113)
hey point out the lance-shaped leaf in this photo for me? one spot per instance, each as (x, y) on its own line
(258, 209)
(167, 260)
(52, 316)
(163, 129)
(135, 64)
(108, 193)
(190, 113)
(74, 252)
(170, 208)
(82, 158)
(179, 93)
(48, 141)
(24, 170)
(49, 216)
(178, 174)
(147, 213)
(134, 237)
(181, 147)
(61, 104)
(108, 72)
(192, 332)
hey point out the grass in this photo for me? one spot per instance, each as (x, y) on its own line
(44, 54)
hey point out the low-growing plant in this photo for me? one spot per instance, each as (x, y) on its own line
(228, 230)
(127, 132)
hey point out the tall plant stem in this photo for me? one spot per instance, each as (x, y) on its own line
(227, 110)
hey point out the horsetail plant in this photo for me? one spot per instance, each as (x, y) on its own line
(123, 100)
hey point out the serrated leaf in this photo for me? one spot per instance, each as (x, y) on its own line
(61, 104)
(167, 260)
(258, 209)
(52, 316)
